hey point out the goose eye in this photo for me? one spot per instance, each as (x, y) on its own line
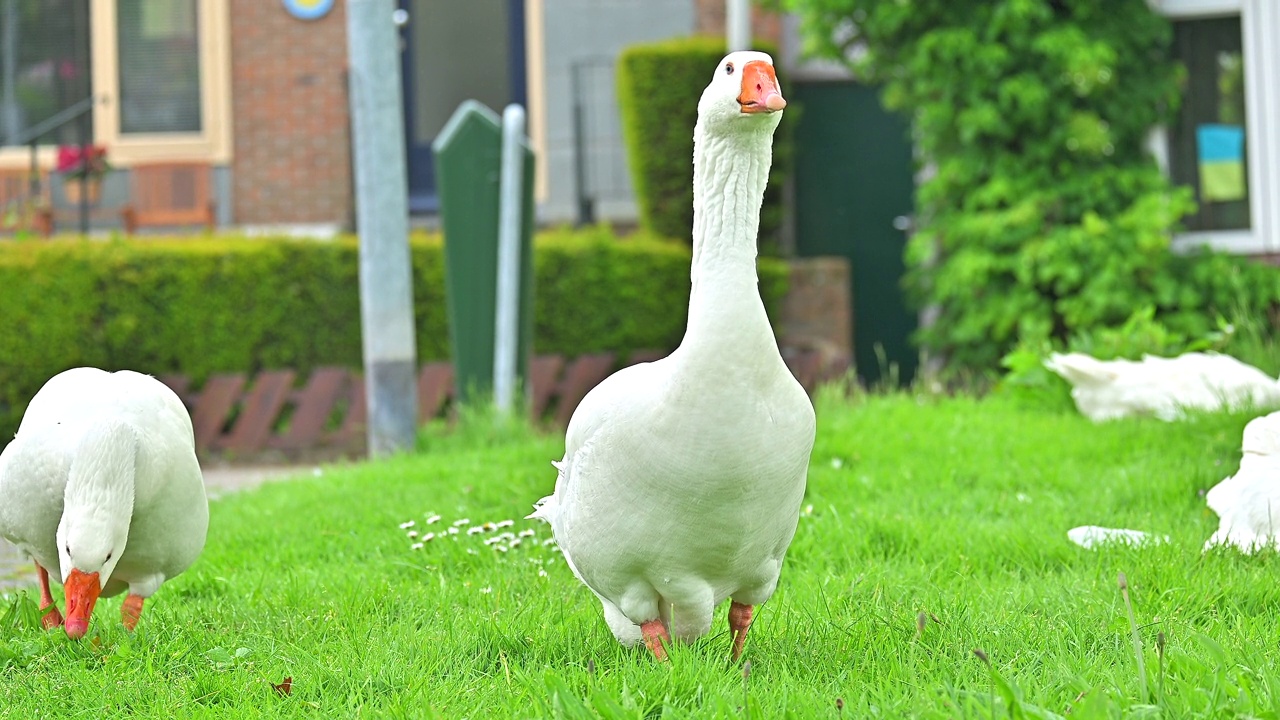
(728, 68)
(109, 556)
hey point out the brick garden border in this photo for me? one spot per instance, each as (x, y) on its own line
(275, 418)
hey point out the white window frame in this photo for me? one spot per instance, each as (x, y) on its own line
(1260, 42)
(212, 144)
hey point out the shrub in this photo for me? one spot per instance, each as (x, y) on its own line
(659, 85)
(1239, 328)
(1047, 215)
(226, 304)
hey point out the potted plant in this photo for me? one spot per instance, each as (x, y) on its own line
(82, 168)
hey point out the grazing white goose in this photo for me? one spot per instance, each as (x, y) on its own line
(1248, 503)
(102, 483)
(682, 478)
(1163, 387)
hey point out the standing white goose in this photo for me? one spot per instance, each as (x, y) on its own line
(682, 479)
(1248, 503)
(102, 483)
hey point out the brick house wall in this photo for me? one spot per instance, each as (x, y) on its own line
(291, 161)
(764, 24)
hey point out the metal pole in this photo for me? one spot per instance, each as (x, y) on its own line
(737, 24)
(382, 222)
(85, 144)
(510, 203)
(33, 180)
(586, 207)
(10, 112)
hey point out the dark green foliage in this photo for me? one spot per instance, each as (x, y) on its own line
(1047, 215)
(659, 85)
(201, 306)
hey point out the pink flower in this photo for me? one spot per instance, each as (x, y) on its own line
(82, 162)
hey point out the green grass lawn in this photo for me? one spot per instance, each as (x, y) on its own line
(934, 528)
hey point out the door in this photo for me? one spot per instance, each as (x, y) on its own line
(853, 182)
(453, 51)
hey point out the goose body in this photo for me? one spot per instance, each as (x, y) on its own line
(1163, 387)
(101, 485)
(682, 479)
(1248, 503)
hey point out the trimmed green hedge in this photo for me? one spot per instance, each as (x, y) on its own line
(226, 304)
(659, 85)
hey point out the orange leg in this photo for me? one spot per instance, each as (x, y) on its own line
(131, 610)
(655, 637)
(52, 618)
(739, 623)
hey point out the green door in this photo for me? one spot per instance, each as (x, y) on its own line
(853, 181)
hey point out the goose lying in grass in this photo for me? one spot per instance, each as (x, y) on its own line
(1248, 503)
(681, 481)
(102, 484)
(1163, 387)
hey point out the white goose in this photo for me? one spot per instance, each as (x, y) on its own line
(682, 479)
(1248, 503)
(102, 483)
(1163, 387)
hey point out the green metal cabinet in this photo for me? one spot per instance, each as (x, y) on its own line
(468, 157)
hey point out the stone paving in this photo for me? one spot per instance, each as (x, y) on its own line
(17, 571)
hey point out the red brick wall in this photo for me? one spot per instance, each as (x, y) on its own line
(289, 103)
(764, 24)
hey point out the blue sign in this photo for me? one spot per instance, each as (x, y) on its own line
(308, 9)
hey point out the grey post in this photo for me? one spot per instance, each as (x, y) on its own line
(511, 204)
(382, 221)
(737, 24)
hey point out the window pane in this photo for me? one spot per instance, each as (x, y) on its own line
(44, 67)
(159, 66)
(1208, 141)
(459, 52)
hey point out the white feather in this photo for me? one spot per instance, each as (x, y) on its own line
(109, 460)
(1163, 387)
(1248, 503)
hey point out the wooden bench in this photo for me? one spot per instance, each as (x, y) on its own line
(169, 194)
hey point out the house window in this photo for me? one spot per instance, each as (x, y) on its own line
(1207, 143)
(163, 71)
(44, 68)
(159, 65)
(159, 72)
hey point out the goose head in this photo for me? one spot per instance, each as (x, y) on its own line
(743, 95)
(88, 550)
(94, 528)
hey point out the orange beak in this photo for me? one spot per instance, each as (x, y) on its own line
(760, 93)
(82, 591)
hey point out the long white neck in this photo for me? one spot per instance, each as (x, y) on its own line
(100, 485)
(729, 176)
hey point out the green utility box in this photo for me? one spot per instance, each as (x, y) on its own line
(468, 162)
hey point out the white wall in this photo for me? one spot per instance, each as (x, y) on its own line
(573, 30)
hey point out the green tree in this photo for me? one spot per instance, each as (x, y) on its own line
(1045, 212)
